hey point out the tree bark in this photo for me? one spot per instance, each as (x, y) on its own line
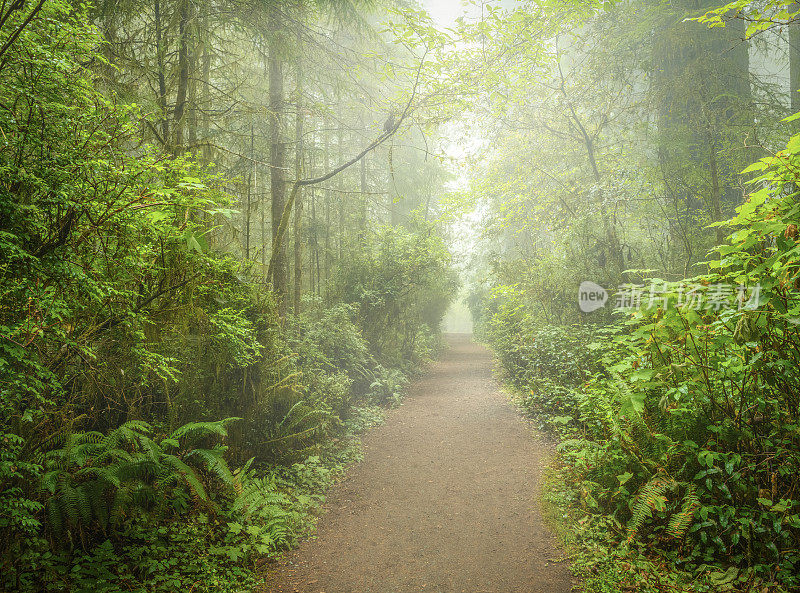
(362, 218)
(183, 75)
(716, 201)
(277, 159)
(248, 202)
(327, 161)
(298, 174)
(162, 81)
(794, 66)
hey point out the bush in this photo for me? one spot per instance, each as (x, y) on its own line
(685, 420)
(387, 386)
(400, 286)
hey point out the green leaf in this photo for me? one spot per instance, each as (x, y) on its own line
(235, 528)
(757, 166)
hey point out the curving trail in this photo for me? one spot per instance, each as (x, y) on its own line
(444, 501)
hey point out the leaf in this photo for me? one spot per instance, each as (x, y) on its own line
(235, 528)
(192, 243)
(633, 401)
(781, 507)
(757, 166)
(723, 578)
(157, 216)
(794, 143)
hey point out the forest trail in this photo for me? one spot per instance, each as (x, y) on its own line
(445, 500)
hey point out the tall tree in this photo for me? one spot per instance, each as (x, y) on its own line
(277, 158)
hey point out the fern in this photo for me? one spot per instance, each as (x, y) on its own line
(650, 498)
(195, 431)
(215, 463)
(55, 515)
(297, 428)
(259, 494)
(266, 508)
(629, 400)
(188, 475)
(680, 522)
(95, 479)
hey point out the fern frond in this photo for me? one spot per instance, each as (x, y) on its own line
(49, 481)
(188, 474)
(170, 442)
(197, 430)
(55, 516)
(70, 502)
(84, 505)
(127, 434)
(650, 498)
(680, 522)
(99, 502)
(215, 463)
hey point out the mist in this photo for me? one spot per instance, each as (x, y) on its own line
(399, 296)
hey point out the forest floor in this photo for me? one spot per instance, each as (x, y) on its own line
(445, 500)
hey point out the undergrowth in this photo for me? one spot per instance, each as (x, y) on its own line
(598, 523)
(678, 421)
(221, 549)
(598, 553)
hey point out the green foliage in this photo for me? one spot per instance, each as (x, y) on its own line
(606, 566)
(683, 519)
(649, 499)
(387, 386)
(547, 364)
(400, 286)
(333, 353)
(95, 480)
(128, 326)
(760, 16)
(685, 421)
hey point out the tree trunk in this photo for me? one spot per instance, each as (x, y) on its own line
(362, 219)
(298, 174)
(341, 200)
(162, 81)
(327, 164)
(794, 66)
(248, 205)
(716, 201)
(277, 157)
(183, 75)
(206, 91)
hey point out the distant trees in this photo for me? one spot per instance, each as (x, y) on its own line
(213, 78)
(624, 144)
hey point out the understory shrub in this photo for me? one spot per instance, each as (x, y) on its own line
(129, 328)
(679, 421)
(400, 285)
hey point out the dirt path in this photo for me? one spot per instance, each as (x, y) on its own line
(444, 501)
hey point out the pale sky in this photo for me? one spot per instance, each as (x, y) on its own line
(445, 12)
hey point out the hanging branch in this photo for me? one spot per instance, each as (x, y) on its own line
(13, 37)
(287, 208)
